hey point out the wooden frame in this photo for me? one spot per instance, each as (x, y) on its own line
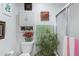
(44, 16)
(27, 6)
(2, 30)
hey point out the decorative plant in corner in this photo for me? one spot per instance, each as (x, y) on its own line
(28, 36)
(48, 44)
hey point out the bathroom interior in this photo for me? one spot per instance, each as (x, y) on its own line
(39, 29)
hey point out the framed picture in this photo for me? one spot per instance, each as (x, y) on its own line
(27, 6)
(29, 27)
(44, 16)
(7, 9)
(24, 28)
(2, 30)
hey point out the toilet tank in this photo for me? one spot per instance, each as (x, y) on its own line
(27, 47)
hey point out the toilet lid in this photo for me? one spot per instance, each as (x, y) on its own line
(25, 54)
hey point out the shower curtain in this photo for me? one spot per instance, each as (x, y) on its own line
(67, 26)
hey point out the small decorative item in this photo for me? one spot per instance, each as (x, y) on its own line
(28, 36)
(24, 28)
(2, 30)
(7, 9)
(29, 27)
(44, 16)
(28, 6)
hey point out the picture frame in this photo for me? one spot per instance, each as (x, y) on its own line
(29, 27)
(2, 29)
(7, 9)
(27, 6)
(44, 16)
(24, 28)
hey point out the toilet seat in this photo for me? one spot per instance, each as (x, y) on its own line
(25, 54)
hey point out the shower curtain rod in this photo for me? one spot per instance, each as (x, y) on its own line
(68, 5)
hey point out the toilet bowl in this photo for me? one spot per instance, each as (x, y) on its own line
(26, 48)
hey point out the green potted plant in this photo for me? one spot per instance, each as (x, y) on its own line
(47, 44)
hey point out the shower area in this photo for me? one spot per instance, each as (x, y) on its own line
(67, 21)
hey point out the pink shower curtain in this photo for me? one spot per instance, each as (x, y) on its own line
(76, 47)
(68, 47)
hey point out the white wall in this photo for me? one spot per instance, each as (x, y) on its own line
(33, 17)
(52, 8)
(9, 42)
(13, 37)
(37, 8)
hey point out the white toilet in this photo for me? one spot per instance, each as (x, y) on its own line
(26, 48)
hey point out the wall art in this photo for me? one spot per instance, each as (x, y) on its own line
(44, 16)
(7, 9)
(27, 6)
(24, 28)
(2, 29)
